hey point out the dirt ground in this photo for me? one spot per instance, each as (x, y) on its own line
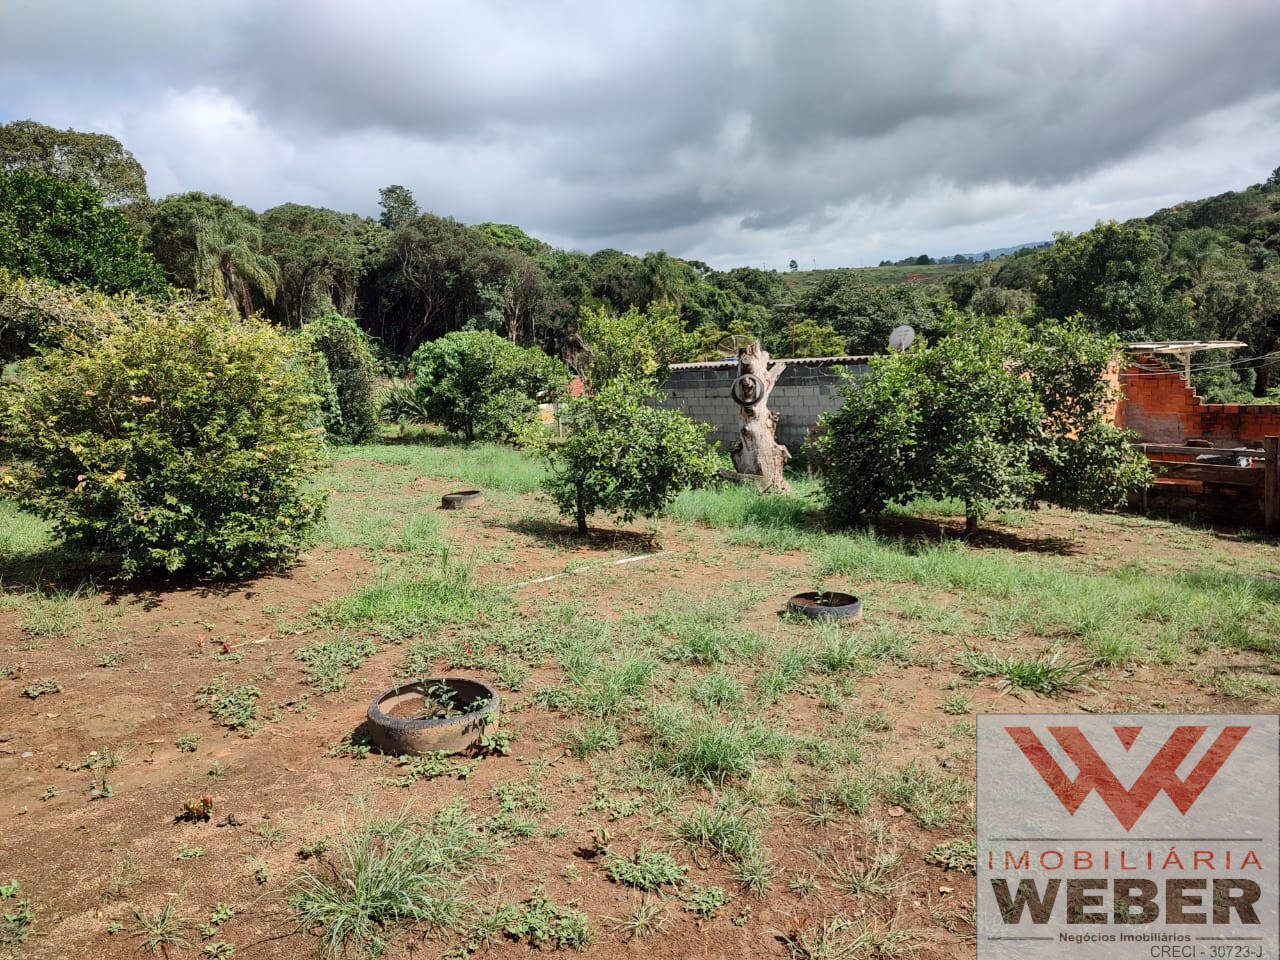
(131, 663)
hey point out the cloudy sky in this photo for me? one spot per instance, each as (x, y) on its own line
(736, 132)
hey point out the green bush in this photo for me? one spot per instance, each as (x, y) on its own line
(58, 230)
(479, 385)
(626, 457)
(351, 369)
(992, 414)
(178, 442)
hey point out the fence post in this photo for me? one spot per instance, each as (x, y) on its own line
(1271, 484)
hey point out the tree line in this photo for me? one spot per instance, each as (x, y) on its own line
(74, 209)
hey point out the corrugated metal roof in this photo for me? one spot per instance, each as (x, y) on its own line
(801, 361)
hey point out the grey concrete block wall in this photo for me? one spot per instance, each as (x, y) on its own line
(803, 393)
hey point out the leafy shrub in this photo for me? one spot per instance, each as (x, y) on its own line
(37, 314)
(351, 369)
(479, 385)
(626, 457)
(178, 442)
(992, 414)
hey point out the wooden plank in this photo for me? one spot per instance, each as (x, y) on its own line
(1166, 448)
(1271, 486)
(1210, 473)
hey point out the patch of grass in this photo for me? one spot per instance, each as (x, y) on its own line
(646, 869)
(927, 792)
(390, 871)
(717, 690)
(234, 707)
(724, 831)
(417, 600)
(162, 930)
(22, 535)
(1253, 687)
(589, 738)
(329, 661)
(1041, 674)
(646, 919)
(778, 522)
(786, 673)
(53, 613)
(710, 750)
(600, 684)
(490, 467)
(839, 938)
(704, 634)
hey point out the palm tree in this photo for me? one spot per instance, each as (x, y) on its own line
(229, 261)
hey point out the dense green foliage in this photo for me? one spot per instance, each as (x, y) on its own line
(59, 230)
(94, 159)
(635, 344)
(626, 457)
(211, 246)
(177, 442)
(37, 314)
(992, 414)
(351, 369)
(484, 387)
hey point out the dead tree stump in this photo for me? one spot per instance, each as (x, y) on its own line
(757, 451)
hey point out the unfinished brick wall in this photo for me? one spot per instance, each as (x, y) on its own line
(1161, 408)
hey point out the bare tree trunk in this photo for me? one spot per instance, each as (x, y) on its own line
(757, 451)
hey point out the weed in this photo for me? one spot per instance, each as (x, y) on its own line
(755, 872)
(838, 938)
(235, 707)
(220, 915)
(721, 830)
(646, 919)
(429, 766)
(717, 690)
(329, 661)
(1245, 686)
(958, 854)
(539, 921)
(198, 810)
(1042, 674)
(15, 915)
(646, 869)
(124, 874)
(189, 853)
(957, 704)
(218, 950)
(162, 930)
(928, 793)
(787, 673)
(40, 687)
(188, 742)
(702, 634)
(390, 871)
(112, 659)
(712, 751)
(705, 902)
(268, 834)
(591, 738)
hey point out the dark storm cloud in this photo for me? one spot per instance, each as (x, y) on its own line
(722, 129)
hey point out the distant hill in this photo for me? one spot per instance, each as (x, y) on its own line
(1002, 251)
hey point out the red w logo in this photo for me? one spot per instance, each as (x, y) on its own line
(1161, 773)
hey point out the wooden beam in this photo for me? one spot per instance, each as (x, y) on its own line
(1271, 486)
(1150, 448)
(1209, 473)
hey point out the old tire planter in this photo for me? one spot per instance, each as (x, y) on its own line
(461, 499)
(414, 734)
(739, 387)
(826, 605)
